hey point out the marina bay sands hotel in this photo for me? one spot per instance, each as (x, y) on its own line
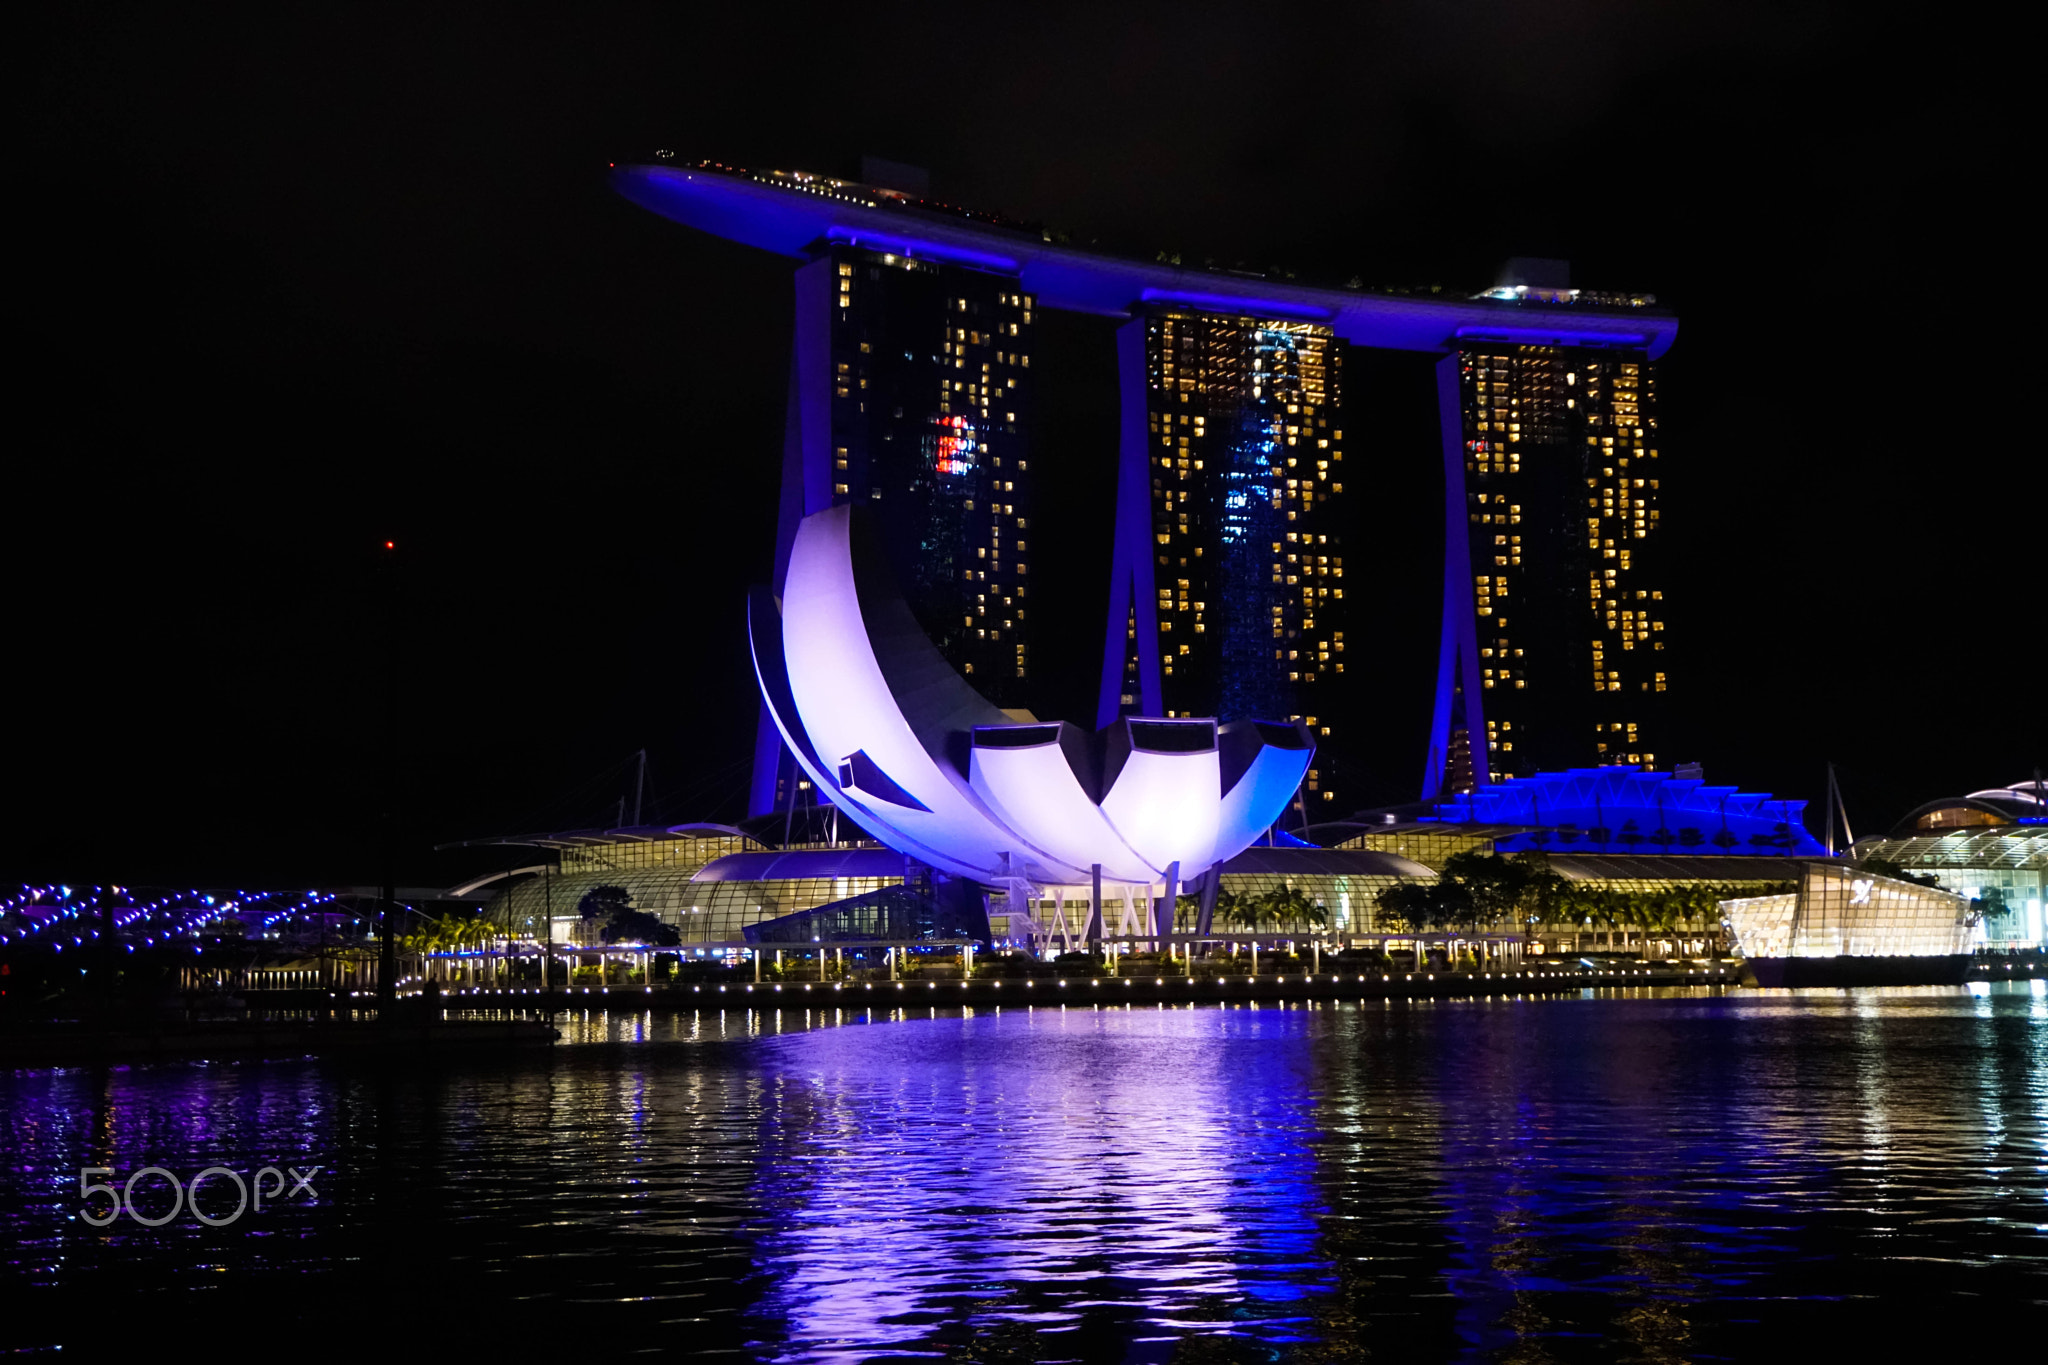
(911, 390)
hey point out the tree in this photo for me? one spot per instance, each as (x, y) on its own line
(1546, 894)
(1689, 837)
(1988, 903)
(1699, 906)
(1725, 840)
(1501, 889)
(1419, 905)
(1659, 912)
(628, 925)
(1608, 909)
(1289, 907)
(1631, 835)
(600, 901)
(1493, 885)
(1243, 911)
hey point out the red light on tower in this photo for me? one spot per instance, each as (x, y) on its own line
(390, 545)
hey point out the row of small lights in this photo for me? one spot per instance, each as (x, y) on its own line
(1127, 981)
(1096, 983)
(200, 909)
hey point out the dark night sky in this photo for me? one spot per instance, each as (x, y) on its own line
(294, 284)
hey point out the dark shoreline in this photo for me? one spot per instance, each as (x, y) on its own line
(56, 1045)
(261, 1038)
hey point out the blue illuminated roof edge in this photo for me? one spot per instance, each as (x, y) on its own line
(790, 222)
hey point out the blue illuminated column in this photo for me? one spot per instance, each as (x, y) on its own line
(1459, 711)
(1133, 602)
(806, 488)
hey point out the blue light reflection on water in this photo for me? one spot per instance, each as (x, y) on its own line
(1669, 1175)
(1040, 1172)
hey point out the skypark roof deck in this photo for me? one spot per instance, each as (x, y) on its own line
(790, 213)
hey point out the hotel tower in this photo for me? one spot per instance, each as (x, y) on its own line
(1227, 588)
(910, 392)
(1553, 645)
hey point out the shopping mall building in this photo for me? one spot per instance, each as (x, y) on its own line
(1990, 846)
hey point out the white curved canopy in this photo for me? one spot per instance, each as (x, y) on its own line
(900, 742)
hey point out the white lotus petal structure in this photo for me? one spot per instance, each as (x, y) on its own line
(905, 747)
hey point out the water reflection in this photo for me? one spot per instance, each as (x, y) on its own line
(1674, 1178)
(1655, 1175)
(1139, 1173)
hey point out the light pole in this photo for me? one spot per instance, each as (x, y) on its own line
(387, 947)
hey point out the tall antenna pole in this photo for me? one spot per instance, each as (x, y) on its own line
(387, 945)
(1828, 800)
(640, 788)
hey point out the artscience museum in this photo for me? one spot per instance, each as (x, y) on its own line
(892, 736)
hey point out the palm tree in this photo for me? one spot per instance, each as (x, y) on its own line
(1610, 911)
(1289, 907)
(1634, 914)
(1243, 911)
(1702, 908)
(1576, 902)
(1545, 895)
(1659, 913)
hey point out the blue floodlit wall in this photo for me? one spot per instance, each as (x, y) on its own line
(1625, 810)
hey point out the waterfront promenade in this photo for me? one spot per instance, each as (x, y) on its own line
(1056, 990)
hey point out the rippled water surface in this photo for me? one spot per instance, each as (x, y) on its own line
(1658, 1176)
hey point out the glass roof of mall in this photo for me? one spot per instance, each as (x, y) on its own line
(2000, 846)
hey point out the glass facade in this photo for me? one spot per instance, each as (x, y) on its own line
(1562, 482)
(1838, 911)
(1245, 436)
(1432, 844)
(707, 914)
(930, 403)
(671, 852)
(1349, 904)
(2010, 860)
